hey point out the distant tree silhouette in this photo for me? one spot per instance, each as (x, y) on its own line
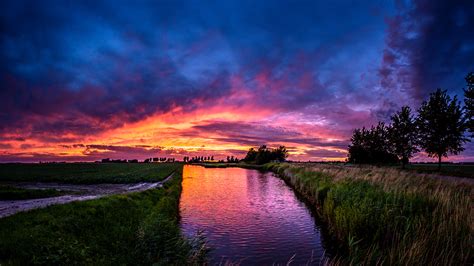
(264, 155)
(251, 155)
(403, 135)
(358, 150)
(441, 126)
(371, 146)
(469, 103)
(379, 145)
(280, 153)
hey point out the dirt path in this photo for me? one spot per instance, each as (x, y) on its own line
(81, 193)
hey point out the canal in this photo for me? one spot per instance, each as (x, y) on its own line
(248, 217)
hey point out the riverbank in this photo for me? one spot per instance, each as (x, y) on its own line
(137, 228)
(388, 216)
(42, 194)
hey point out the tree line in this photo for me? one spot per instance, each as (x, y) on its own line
(265, 155)
(197, 159)
(438, 129)
(200, 159)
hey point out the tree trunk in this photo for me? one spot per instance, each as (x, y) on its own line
(404, 162)
(439, 162)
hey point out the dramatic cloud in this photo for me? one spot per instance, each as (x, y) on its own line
(86, 80)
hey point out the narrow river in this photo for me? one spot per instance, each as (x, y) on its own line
(248, 217)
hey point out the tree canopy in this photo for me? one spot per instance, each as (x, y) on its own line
(371, 146)
(441, 125)
(264, 155)
(469, 102)
(403, 136)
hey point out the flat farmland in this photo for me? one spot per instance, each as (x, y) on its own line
(86, 173)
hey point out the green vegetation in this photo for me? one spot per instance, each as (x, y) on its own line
(403, 135)
(134, 229)
(265, 155)
(386, 215)
(14, 193)
(87, 173)
(438, 130)
(371, 146)
(441, 126)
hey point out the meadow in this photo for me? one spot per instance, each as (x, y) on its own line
(14, 193)
(135, 229)
(383, 215)
(87, 173)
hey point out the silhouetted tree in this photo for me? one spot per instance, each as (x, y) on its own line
(280, 153)
(441, 126)
(358, 150)
(403, 135)
(371, 146)
(251, 155)
(264, 155)
(469, 103)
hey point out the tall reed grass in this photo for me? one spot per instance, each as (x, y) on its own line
(388, 216)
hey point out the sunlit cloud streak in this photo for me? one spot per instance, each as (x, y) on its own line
(179, 78)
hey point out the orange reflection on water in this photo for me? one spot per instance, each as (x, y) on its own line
(247, 215)
(227, 194)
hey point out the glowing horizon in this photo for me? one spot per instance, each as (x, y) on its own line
(121, 81)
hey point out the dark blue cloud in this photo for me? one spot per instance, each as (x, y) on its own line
(88, 66)
(430, 44)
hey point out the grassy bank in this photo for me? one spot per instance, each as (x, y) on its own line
(388, 216)
(14, 193)
(87, 173)
(138, 228)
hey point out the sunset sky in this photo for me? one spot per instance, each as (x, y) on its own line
(85, 80)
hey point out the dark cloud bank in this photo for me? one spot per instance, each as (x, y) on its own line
(73, 69)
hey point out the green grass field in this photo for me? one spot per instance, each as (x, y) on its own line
(14, 193)
(133, 229)
(461, 170)
(87, 173)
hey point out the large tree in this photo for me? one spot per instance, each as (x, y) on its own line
(441, 126)
(264, 155)
(403, 135)
(358, 150)
(371, 146)
(469, 102)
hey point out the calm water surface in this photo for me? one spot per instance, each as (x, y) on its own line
(248, 217)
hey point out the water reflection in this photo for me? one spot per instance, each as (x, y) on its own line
(248, 217)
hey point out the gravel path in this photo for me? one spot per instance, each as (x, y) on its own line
(81, 193)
